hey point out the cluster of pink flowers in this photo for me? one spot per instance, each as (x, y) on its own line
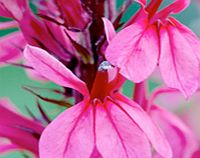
(75, 44)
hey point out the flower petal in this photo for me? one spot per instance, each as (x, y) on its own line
(143, 121)
(178, 62)
(142, 2)
(52, 69)
(109, 29)
(73, 13)
(135, 52)
(188, 35)
(11, 49)
(117, 136)
(177, 6)
(8, 147)
(181, 139)
(14, 8)
(69, 135)
(18, 129)
(8, 25)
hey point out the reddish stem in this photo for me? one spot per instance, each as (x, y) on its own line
(139, 95)
(153, 7)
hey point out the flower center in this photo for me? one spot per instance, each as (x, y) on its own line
(106, 82)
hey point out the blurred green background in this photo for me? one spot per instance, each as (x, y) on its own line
(13, 78)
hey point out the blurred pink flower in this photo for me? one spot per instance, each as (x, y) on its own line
(154, 38)
(39, 32)
(181, 139)
(22, 133)
(35, 31)
(180, 135)
(105, 124)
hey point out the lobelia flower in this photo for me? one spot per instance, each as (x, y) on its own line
(22, 133)
(154, 38)
(181, 138)
(104, 124)
(39, 32)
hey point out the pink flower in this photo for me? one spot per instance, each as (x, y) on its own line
(73, 14)
(154, 38)
(22, 133)
(39, 32)
(179, 136)
(105, 124)
(13, 8)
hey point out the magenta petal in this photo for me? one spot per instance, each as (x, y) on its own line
(52, 69)
(70, 135)
(8, 25)
(109, 29)
(8, 147)
(4, 12)
(135, 52)
(143, 121)
(73, 13)
(178, 62)
(181, 139)
(117, 136)
(177, 6)
(11, 49)
(14, 8)
(35, 75)
(141, 2)
(190, 37)
(18, 129)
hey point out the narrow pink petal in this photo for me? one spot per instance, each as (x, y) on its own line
(142, 2)
(177, 6)
(178, 62)
(39, 33)
(10, 48)
(52, 69)
(59, 33)
(143, 121)
(73, 13)
(10, 117)
(4, 12)
(109, 29)
(117, 136)
(18, 129)
(15, 8)
(135, 52)
(25, 140)
(8, 147)
(35, 75)
(180, 5)
(69, 135)
(181, 139)
(8, 25)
